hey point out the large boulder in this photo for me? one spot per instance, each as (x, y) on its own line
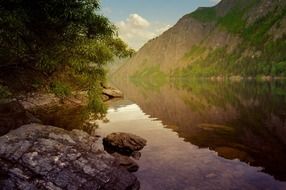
(125, 143)
(44, 157)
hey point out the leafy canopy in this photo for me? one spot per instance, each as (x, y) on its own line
(59, 37)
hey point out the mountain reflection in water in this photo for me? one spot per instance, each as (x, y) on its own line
(244, 120)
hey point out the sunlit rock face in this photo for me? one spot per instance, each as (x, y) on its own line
(44, 157)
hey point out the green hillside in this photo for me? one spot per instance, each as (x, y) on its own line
(244, 38)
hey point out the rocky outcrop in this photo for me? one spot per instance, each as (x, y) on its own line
(44, 157)
(124, 142)
(111, 92)
(35, 100)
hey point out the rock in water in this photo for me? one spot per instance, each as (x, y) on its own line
(124, 142)
(45, 157)
(112, 92)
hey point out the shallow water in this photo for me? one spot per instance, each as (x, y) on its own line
(205, 135)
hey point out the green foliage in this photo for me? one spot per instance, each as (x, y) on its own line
(256, 55)
(4, 92)
(36, 84)
(214, 64)
(267, 60)
(95, 103)
(205, 14)
(195, 51)
(279, 69)
(120, 49)
(257, 32)
(70, 39)
(235, 21)
(60, 89)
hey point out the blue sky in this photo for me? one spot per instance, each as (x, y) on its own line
(141, 20)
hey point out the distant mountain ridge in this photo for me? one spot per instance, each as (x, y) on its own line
(235, 37)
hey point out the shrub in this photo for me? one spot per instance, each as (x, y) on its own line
(60, 89)
(95, 103)
(4, 92)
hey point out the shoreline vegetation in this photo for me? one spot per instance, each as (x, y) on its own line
(57, 47)
(53, 56)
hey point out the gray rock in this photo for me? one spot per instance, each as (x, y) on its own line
(44, 157)
(112, 92)
(125, 143)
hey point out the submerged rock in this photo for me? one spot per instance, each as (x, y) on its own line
(124, 142)
(45, 157)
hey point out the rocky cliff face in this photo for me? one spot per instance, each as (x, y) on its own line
(220, 40)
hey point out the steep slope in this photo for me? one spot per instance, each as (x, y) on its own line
(245, 37)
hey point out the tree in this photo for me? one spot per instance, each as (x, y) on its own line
(59, 38)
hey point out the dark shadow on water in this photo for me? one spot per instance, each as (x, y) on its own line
(66, 117)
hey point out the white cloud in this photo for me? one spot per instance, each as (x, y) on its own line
(136, 21)
(136, 30)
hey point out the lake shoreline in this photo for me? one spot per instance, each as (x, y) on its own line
(40, 154)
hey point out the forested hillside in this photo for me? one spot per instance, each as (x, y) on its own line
(245, 38)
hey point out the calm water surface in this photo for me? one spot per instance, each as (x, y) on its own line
(204, 134)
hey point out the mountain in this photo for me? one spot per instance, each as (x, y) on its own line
(233, 38)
